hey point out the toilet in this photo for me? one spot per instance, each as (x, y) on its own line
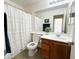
(32, 46)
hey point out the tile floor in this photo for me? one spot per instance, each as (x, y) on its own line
(24, 55)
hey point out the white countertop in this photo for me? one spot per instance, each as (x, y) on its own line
(52, 36)
(61, 38)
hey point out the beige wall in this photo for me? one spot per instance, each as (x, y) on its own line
(13, 4)
(24, 8)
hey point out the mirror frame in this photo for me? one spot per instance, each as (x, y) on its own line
(58, 16)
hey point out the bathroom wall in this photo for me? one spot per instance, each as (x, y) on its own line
(13, 4)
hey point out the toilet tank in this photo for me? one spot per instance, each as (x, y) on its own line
(36, 37)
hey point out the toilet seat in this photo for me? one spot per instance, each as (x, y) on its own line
(32, 45)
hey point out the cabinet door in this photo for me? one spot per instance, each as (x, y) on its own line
(59, 51)
(45, 49)
(45, 54)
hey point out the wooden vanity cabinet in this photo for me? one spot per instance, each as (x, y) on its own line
(59, 50)
(55, 50)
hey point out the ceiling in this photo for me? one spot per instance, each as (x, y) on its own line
(29, 5)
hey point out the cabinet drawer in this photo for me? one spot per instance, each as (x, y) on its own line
(57, 42)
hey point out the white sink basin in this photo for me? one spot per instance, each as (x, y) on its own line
(57, 37)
